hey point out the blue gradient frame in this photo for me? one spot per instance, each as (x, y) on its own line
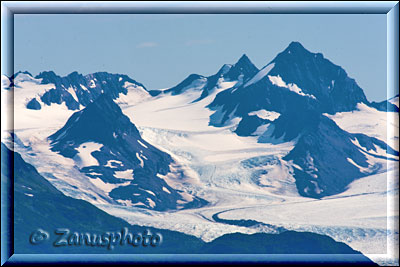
(391, 9)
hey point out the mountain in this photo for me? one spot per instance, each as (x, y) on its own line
(8, 82)
(77, 90)
(327, 159)
(391, 104)
(317, 82)
(285, 101)
(395, 100)
(319, 77)
(108, 148)
(261, 95)
(39, 205)
(240, 72)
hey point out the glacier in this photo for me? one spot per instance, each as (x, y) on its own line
(240, 177)
(221, 167)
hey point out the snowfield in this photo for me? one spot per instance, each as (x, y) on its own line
(277, 80)
(240, 178)
(369, 121)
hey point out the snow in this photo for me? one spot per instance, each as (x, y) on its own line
(240, 177)
(225, 69)
(166, 190)
(92, 84)
(261, 129)
(73, 93)
(84, 87)
(180, 110)
(261, 74)
(357, 217)
(265, 114)
(311, 169)
(140, 159)
(143, 145)
(127, 174)
(5, 82)
(378, 150)
(23, 77)
(223, 85)
(379, 124)
(106, 187)
(84, 157)
(138, 204)
(317, 189)
(219, 114)
(151, 202)
(113, 161)
(266, 136)
(195, 85)
(59, 170)
(125, 202)
(277, 80)
(135, 94)
(278, 176)
(213, 157)
(362, 169)
(41, 122)
(150, 192)
(394, 101)
(94, 173)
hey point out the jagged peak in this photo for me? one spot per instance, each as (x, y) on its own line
(295, 48)
(74, 74)
(244, 60)
(224, 70)
(23, 72)
(20, 76)
(96, 122)
(47, 74)
(296, 45)
(242, 66)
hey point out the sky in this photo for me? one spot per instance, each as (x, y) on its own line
(161, 50)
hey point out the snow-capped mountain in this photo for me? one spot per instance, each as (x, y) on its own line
(327, 159)
(253, 143)
(238, 73)
(316, 76)
(294, 72)
(77, 90)
(108, 148)
(285, 101)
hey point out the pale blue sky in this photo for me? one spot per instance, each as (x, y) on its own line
(161, 50)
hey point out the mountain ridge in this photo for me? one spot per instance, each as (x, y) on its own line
(106, 145)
